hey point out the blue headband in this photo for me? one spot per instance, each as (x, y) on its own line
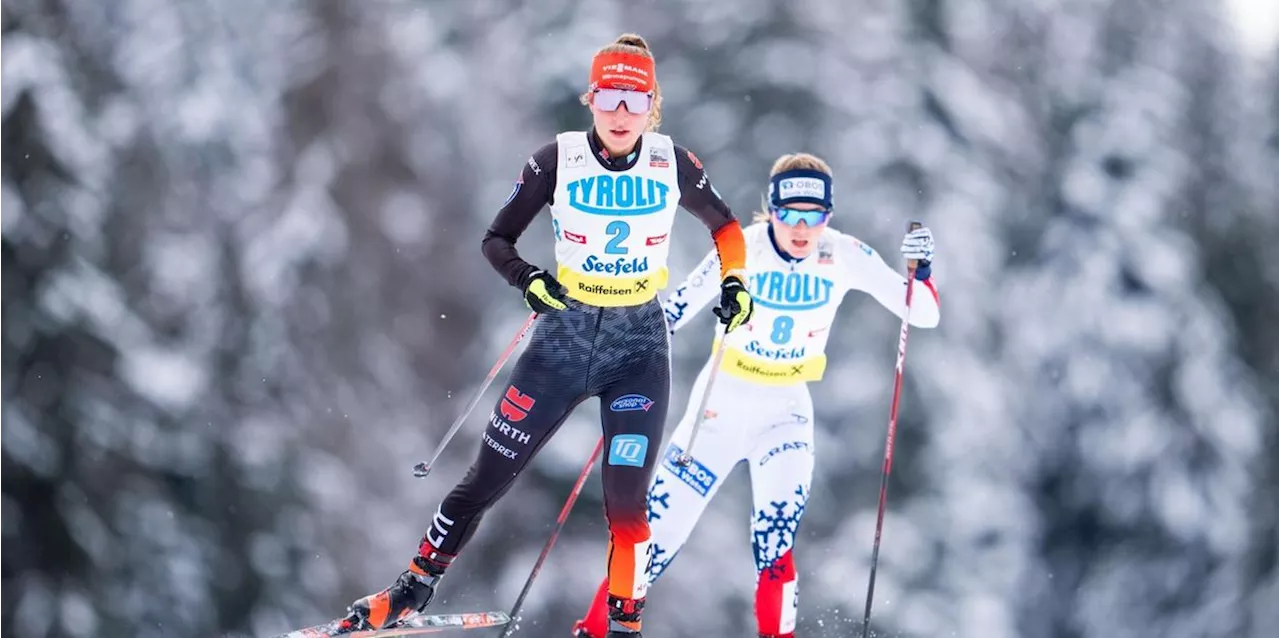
(800, 186)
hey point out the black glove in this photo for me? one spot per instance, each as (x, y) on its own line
(542, 293)
(735, 304)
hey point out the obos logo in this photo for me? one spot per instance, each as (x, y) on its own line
(696, 476)
(801, 187)
(631, 403)
(791, 291)
(619, 266)
(618, 195)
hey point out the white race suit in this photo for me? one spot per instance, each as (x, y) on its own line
(759, 410)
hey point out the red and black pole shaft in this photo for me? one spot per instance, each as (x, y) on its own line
(888, 441)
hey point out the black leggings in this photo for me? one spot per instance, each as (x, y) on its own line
(620, 355)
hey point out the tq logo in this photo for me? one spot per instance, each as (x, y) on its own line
(628, 449)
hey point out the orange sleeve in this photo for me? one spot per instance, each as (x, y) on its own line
(732, 248)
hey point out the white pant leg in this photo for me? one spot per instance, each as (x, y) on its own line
(679, 495)
(781, 463)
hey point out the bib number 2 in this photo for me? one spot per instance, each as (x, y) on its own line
(620, 231)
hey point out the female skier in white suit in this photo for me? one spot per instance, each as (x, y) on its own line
(760, 410)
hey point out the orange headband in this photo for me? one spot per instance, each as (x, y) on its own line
(626, 71)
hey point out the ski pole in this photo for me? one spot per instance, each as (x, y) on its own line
(555, 532)
(893, 428)
(685, 459)
(424, 468)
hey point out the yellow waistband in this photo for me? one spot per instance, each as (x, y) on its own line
(757, 370)
(612, 291)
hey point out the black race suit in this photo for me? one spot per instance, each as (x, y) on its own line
(619, 354)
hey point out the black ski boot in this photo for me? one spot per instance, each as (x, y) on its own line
(410, 594)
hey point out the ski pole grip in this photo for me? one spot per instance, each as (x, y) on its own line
(913, 225)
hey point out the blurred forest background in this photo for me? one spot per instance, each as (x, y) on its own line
(243, 294)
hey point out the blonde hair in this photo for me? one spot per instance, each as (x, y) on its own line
(635, 45)
(790, 162)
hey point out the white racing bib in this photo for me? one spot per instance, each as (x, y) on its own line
(612, 227)
(795, 305)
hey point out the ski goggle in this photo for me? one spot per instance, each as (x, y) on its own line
(793, 216)
(610, 99)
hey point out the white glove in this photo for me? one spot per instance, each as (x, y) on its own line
(918, 244)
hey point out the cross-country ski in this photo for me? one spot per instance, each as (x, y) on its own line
(418, 625)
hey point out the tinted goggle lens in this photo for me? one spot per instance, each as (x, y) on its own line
(793, 216)
(610, 99)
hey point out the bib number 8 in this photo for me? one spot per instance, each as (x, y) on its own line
(782, 329)
(620, 231)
